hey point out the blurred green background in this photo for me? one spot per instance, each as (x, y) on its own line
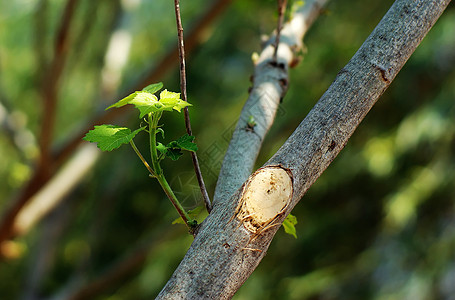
(378, 224)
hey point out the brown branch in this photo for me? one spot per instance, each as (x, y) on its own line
(40, 22)
(50, 87)
(281, 9)
(181, 47)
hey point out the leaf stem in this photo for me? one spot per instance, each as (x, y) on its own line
(158, 172)
(190, 223)
(153, 123)
(133, 145)
(181, 47)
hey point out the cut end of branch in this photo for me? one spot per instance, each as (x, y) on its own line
(265, 197)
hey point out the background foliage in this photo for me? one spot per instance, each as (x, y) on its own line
(378, 224)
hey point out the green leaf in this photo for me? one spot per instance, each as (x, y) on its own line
(185, 142)
(123, 101)
(153, 88)
(146, 102)
(165, 94)
(174, 153)
(110, 137)
(289, 225)
(173, 150)
(172, 100)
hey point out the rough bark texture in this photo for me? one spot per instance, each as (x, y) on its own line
(224, 254)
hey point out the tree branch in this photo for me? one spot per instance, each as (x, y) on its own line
(270, 82)
(49, 89)
(281, 10)
(181, 47)
(225, 253)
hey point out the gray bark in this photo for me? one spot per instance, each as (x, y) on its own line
(225, 253)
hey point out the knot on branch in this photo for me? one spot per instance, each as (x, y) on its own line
(265, 197)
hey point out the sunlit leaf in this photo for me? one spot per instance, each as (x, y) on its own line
(110, 137)
(153, 88)
(289, 225)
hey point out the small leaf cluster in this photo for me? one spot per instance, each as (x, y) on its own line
(146, 102)
(110, 137)
(174, 149)
(150, 107)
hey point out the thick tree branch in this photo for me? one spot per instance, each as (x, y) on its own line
(270, 83)
(235, 236)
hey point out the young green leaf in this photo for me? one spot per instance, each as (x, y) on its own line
(110, 137)
(185, 142)
(172, 100)
(174, 153)
(153, 88)
(173, 150)
(147, 103)
(124, 101)
(289, 225)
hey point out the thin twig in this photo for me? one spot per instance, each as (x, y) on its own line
(281, 9)
(181, 47)
(146, 164)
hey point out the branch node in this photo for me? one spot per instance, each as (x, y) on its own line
(384, 73)
(265, 197)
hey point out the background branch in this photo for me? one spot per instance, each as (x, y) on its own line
(50, 87)
(49, 94)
